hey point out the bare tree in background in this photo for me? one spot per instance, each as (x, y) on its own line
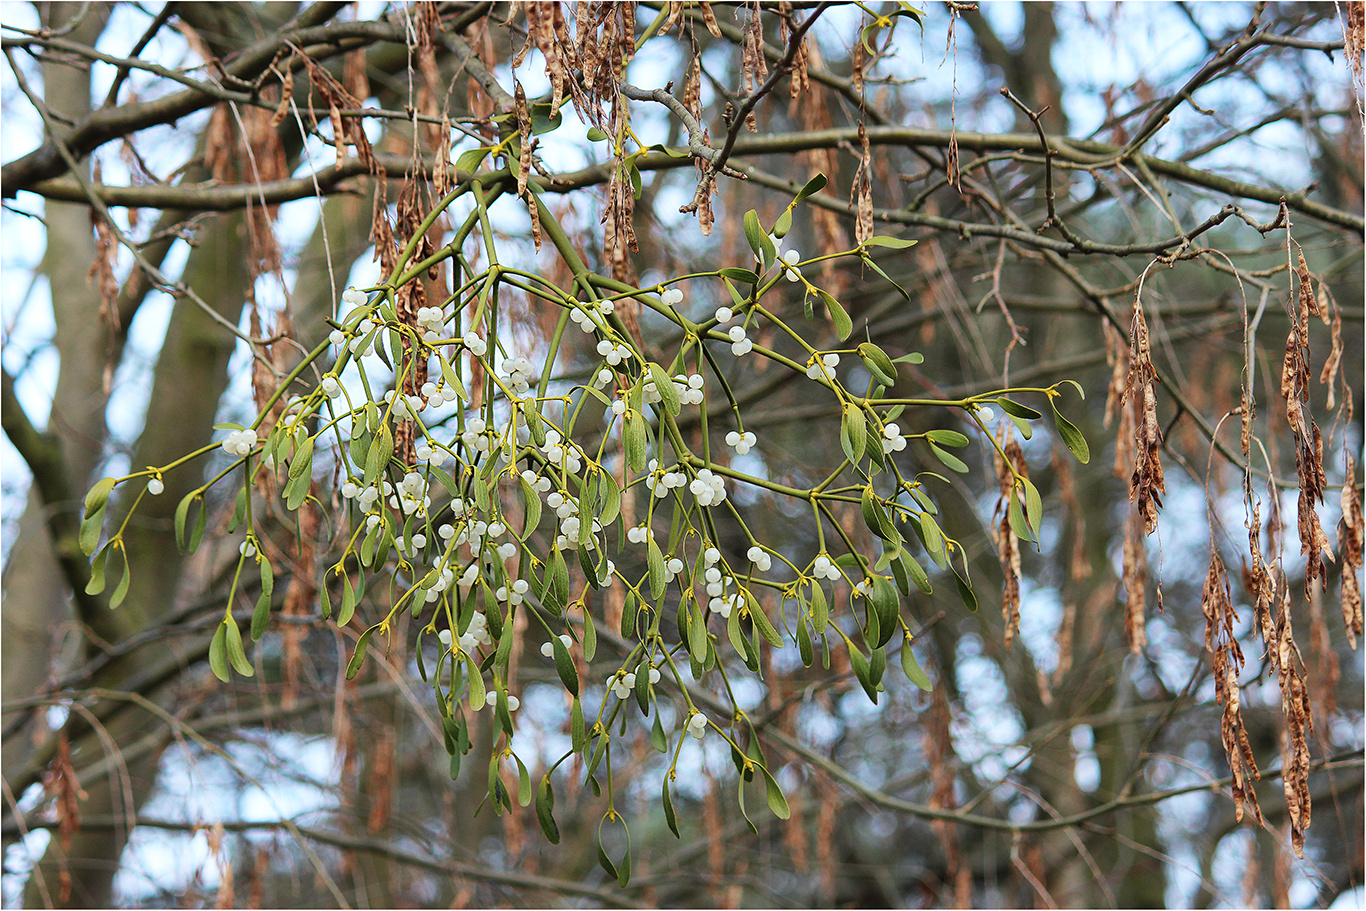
(1148, 693)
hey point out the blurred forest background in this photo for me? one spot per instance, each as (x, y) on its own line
(166, 203)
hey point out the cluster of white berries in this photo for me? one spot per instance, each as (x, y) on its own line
(741, 442)
(476, 434)
(475, 343)
(240, 442)
(708, 487)
(519, 373)
(661, 482)
(366, 497)
(411, 495)
(613, 353)
(697, 725)
(434, 391)
(739, 344)
(426, 452)
(760, 558)
(560, 452)
(892, 440)
(430, 322)
(689, 389)
(513, 702)
(514, 594)
(475, 635)
(535, 481)
(824, 568)
(621, 684)
(671, 297)
(585, 315)
(548, 649)
(822, 366)
(639, 534)
(404, 405)
(790, 260)
(330, 387)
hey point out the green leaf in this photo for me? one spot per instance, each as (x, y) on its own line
(452, 380)
(596, 135)
(532, 500)
(218, 652)
(348, 605)
(302, 463)
(697, 633)
(260, 618)
(946, 437)
(820, 609)
(96, 583)
(182, 511)
(121, 590)
(628, 615)
(664, 385)
(915, 571)
(1015, 409)
(814, 185)
(1022, 425)
(98, 496)
(590, 636)
(913, 358)
(868, 260)
(357, 659)
(1071, 437)
(545, 810)
(748, 276)
(804, 644)
(91, 526)
(758, 240)
(878, 363)
(470, 160)
(655, 558)
(896, 243)
(578, 732)
(949, 460)
(912, 668)
(965, 590)
(783, 224)
(1017, 518)
(776, 801)
(544, 119)
(564, 666)
(296, 491)
(670, 818)
(863, 673)
(236, 654)
(853, 434)
(886, 602)
(636, 442)
(762, 623)
(843, 324)
(1033, 506)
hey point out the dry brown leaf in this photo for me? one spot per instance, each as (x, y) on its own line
(1146, 483)
(1226, 658)
(1007, 544)
(1349, 545)
(861, 194)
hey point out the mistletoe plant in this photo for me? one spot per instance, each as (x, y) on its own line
(477, 490)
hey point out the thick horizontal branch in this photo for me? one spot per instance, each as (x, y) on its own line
(1085, 153)
(1079, 152)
